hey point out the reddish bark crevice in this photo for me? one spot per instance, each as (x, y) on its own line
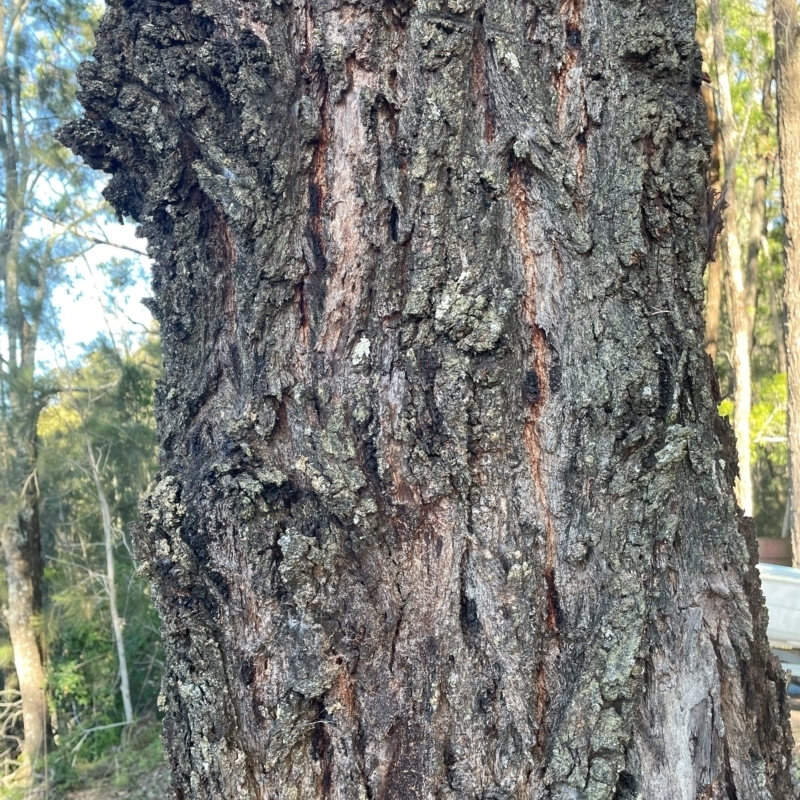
(349, 253)
(571, 54)
(536, 392)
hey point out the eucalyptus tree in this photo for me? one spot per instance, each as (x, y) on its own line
(736, 288)
(736, 40)
(714, 272)
(45, 206)
(445, 507)
(787, 62)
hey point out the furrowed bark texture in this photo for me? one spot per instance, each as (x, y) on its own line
(445, 508)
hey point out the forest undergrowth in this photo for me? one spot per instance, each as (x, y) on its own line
(133, 770)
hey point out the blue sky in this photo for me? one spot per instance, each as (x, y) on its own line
(88, 305)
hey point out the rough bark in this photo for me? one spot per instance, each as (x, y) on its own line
(735, 283)
(787, 94)
(445, 507)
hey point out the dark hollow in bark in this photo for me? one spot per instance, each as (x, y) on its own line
(445, 508)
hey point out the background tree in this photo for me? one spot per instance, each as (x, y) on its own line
(107, 400)
(58, 600)
(744, 38)
(41, 191)
(787, 62)
(738, 290)
(714, 273)
(445, 506)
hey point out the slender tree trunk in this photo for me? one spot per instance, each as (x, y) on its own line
(714, 270)
(787, 64)
(778, 326)
(21, 535)
(735, 289)
(758, 210)
(445, 508)
(21, 543)
(758, 217)
(111, 588)
(21, 620)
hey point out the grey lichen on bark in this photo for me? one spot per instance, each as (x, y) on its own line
(445, 507)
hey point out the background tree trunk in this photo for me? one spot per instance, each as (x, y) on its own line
(736, 292)
(24, 289)
(445, 507)
(714, 269)
(758, 216)
(21, 534)
(111, 587)
(787, 67)
(21, 543)
(758, 211)
(21, 618)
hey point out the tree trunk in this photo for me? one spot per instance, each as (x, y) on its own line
(778, 325)
(758, 219)
(787, 67)
(714, 269)
(735, 288)
(445, 508)
(21, 620)
(24, 291)
(758, 210)
(111, 588)
(21, 543)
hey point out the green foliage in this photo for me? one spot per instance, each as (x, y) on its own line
(132, 770)
(50, 201)
(106, 402)
(770, 451)
(108, 406)
(51, 214)
(749, 46)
